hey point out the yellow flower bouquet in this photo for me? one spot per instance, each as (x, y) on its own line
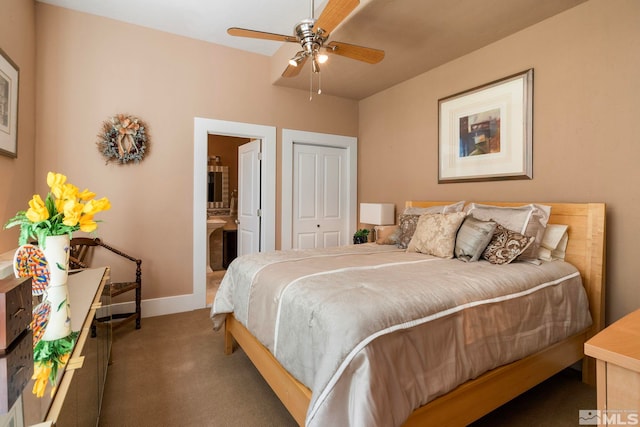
(66, 209)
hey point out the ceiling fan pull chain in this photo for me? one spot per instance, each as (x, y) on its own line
(319, 83)
(311, 86)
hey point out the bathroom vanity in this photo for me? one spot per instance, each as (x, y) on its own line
(221, 215)
(222, 245)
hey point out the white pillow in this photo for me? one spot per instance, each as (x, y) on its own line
(416, 210)
(554, 242)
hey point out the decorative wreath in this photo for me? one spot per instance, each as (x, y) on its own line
(123, 139)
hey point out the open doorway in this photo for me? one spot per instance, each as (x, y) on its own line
(203, 128)
(222, 205)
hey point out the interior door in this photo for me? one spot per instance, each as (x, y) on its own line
(319, 196)
(249, 215)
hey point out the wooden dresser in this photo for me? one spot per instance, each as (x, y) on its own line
(77, 399)
(617, 353)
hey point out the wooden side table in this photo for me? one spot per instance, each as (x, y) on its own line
(617, 353)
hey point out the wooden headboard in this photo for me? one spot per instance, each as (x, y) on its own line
(585, 250)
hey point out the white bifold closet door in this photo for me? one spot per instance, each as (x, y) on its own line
(319, 196)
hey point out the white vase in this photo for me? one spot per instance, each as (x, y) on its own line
(56, 251)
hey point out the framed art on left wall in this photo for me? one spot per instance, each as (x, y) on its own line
(9, 74)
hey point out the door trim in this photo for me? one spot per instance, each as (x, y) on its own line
(289, 137)
(202, 128)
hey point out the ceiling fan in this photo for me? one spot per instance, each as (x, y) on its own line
(312, 35)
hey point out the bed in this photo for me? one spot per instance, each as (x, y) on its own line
(457, 401)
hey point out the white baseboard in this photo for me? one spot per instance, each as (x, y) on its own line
(161, 306)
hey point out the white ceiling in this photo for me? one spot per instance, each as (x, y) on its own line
(206, 20)
(416, 35)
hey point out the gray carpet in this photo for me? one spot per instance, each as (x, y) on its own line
(173, 372)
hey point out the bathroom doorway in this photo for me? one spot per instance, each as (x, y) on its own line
(203, 128)
(222, 203)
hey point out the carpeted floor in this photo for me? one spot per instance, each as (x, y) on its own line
(173, 372)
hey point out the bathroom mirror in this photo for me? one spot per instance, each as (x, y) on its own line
(218, 187)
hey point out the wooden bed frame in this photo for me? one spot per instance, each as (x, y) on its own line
(476, 398)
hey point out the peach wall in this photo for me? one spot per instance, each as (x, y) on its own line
(18, 41)
(586, 149)
(90, 68)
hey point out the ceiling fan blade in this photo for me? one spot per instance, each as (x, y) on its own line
(360, 53)
(292, 71)
(243, 32)
(334, 12)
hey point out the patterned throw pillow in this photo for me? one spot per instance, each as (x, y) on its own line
(473, 237)
(408, 220)
(436, 234)
(506, 245)
(406, 228)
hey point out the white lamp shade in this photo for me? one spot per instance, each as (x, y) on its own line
(377, 213)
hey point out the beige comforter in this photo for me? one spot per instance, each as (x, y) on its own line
(376, 332)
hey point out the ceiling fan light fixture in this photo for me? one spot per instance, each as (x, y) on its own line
(311, 34)
(297, 59)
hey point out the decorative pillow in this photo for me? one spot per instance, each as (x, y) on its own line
(408, 220)
(436, 234)
(473, 237)
(406, 228)
(554, 242)
(415, 210)
(530, 220)
(506, 245)
(387, 234)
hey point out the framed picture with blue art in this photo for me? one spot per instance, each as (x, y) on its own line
(486, 133)
(8, 106)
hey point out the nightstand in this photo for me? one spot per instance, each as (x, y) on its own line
(617, 353)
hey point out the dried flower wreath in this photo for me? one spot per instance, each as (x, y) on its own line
(124, 139)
